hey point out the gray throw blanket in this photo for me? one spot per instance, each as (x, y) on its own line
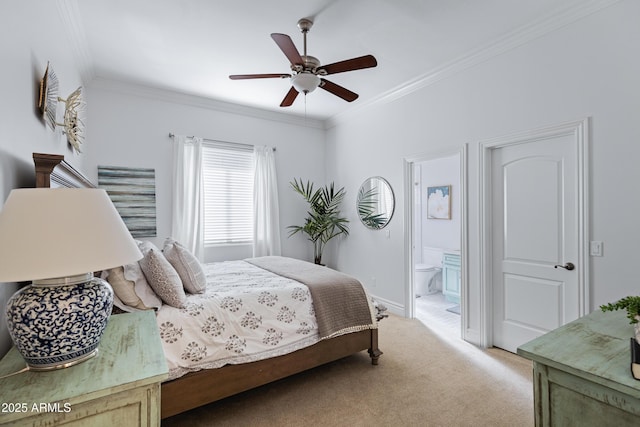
(339, 300)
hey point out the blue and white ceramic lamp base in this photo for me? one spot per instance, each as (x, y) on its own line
(58, 323)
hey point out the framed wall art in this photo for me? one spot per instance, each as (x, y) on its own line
(133, 192)
(439, 202)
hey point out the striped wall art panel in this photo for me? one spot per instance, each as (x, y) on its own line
(133, 192)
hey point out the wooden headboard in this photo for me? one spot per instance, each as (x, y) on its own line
(52, 171)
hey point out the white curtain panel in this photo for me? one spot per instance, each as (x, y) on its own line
(187, 225)
(266, 228)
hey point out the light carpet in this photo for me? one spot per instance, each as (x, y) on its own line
(423, 379)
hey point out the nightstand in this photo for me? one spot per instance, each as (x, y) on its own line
(582, 374)
(119, 387)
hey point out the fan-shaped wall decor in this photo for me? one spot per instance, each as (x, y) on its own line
(48, 100)
(73, 123)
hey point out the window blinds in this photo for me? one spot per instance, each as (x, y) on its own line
(228, 194)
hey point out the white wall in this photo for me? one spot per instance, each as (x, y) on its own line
(130, 127)
(588, 68)
(31, 34)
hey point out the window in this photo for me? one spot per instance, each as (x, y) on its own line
(228, 194)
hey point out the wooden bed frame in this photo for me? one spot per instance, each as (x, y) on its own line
(206, 386)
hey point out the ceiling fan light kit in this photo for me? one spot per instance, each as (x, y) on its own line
(305, 82)
(307, 70)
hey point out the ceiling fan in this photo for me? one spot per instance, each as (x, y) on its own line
(308, 74)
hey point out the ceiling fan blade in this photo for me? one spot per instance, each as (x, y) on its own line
(257, 76)
(286, 45)
(367, 61)
(338, 90)
(289, 97)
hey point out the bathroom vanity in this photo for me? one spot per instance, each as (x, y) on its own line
(451, 276)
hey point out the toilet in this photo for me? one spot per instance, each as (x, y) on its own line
(428, 272)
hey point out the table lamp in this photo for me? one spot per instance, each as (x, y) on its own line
(57, 238)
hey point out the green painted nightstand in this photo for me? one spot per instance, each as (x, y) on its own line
(581, 373)
(119, 387)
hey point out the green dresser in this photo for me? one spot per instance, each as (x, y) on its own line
(119, 387)
(581, 373)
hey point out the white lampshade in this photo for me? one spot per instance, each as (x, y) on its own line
(305, 82)
(50, 233)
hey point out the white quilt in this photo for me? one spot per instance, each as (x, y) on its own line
(246, 314)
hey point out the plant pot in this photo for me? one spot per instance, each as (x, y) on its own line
(636, 329)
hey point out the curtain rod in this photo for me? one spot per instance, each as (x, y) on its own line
(171, 135)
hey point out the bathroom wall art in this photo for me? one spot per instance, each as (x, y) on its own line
(439, 202)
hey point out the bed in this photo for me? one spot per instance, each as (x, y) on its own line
(330, 338)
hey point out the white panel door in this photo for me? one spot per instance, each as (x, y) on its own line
(535, 190)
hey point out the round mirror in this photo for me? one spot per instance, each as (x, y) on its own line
(375, 203)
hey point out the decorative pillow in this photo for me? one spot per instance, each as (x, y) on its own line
(162, 277)
(149, 298)
(187, 266)
(130, 288)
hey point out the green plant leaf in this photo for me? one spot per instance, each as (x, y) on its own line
(630, 303)
(366, 203)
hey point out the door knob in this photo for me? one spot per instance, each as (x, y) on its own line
(568, 266)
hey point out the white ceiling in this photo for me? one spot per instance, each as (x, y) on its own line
(191, 46)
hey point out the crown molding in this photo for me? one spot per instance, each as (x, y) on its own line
(170, 96)
(72, 23)
(510, 41)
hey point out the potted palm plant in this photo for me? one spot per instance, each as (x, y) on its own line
(323, 221)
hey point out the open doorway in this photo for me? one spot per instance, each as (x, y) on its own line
(435, 198)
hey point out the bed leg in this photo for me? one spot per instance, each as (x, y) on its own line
(374, 351)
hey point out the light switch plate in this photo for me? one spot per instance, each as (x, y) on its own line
(596, 248)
